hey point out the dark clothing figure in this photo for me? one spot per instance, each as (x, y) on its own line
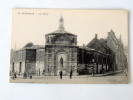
(25, 75)
(71, 74)
(101, 71)
(60, 74)
(43, 72)
(30, 76)
(104, 70)
(14, 74)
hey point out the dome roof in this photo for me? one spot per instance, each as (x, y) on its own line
(61, 29)
(60, 32)
(30, 44)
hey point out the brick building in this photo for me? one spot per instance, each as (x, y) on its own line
(116, 46)
(24, 60)
(101, 55)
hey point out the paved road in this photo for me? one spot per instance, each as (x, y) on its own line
(86, 79)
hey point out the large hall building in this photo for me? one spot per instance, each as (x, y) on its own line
(61, 53)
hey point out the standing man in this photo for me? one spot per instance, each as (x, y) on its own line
(43, 72)
(61, 67)
(60, 74)
(25, 75)
(13, 74)
(71, 74)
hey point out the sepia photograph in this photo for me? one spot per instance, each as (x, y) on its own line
(69, 46)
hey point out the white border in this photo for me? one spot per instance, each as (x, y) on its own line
(19, 91)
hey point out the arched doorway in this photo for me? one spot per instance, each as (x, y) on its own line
(61, 62)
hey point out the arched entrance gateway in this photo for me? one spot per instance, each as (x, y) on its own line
(62, 63)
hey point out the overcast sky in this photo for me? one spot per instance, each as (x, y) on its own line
(31, 25)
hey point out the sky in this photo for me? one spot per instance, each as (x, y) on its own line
(31, 25)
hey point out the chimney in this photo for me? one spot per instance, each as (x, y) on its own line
(96, 36)
(83, 45)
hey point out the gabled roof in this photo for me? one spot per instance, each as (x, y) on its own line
(93, 40)
(98, 45)
(113, 37)
(30, 47)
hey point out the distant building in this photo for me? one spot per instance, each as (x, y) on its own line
(116, 45)
(126, 50)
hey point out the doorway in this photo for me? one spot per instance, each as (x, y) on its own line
(61, 63)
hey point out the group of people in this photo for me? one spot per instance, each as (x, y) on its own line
(14, 75)
(61, 73)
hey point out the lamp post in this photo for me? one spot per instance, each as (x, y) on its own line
(93, 67)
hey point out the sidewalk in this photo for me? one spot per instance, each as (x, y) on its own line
(79, 76)
(42, 77)
(109, 73)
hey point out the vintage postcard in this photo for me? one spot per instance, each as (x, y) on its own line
(69, 46)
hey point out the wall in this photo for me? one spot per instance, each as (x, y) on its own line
(40, 60)
(51, 61)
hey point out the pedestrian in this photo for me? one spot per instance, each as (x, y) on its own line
(60, 74)
(25, 75)
(125, 72)
(71, 74)
(43, 72)
(101, 71)
(13, 74)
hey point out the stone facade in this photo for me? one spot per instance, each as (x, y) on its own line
(23, 61)
(60, 44)
(40, 58)
(53, 59)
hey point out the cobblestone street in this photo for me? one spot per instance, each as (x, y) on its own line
(84, 79)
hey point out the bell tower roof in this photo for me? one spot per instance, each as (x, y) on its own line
(61, 29)
(61, 24)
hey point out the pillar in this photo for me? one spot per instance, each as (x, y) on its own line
(106, 63)
(102, 62)
(97, 65)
